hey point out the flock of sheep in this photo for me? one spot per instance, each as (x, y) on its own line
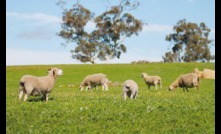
(35, 86)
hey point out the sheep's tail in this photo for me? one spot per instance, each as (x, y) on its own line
(22, 84)
(127, 87)
(21, 89)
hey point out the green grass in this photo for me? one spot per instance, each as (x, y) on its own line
(72, 111)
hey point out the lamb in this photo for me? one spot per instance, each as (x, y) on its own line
(152, 80)
(130, 89)
(36, 86)
(94, 80)
(186, 81)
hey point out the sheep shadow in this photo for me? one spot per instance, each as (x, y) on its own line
(39, 99)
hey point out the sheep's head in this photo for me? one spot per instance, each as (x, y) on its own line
(81, 88)
(55, 71)
(144, 75)
(172, 87)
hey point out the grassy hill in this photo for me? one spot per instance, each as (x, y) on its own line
(72, 111)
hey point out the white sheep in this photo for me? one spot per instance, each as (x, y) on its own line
(208, 73)
(185, 81)
(152, 80)
(130, 89)
(36, 86)
(205, 74)
(94, 80)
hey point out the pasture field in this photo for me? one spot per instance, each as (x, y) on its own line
(96, 112)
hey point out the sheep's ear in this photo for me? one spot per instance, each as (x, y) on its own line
(49, 70)
(54, 72)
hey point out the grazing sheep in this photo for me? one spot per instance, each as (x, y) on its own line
(130, 89)
(208, 73)
(151, 80)
(95, 80)
(205, 74)
(36, 86)
(186, 81)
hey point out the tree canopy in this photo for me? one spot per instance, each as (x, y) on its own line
(190, 43)
(106, 40)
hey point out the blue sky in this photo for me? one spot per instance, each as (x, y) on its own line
(31, 28)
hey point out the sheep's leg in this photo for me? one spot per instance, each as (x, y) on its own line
(27, 92)
(149, 87)
(135, 95)
(26, 97)
(46, 96)
(183, 89)
(20, 93)
(106, 84)
(125, 95)
(106, 87)
(187, 89)
(156, 86)
(132, 95)
(103, 87)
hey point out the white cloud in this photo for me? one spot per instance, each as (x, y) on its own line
(40, 17)
(38, 33)
(42, 26)
(31, 57)
(157, 28)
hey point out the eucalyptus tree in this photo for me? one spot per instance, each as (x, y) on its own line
(105, 41)
(190, 43)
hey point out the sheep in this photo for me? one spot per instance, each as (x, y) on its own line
(94, 80)
(130, 89)
(186, 81)
(205, 74)
(36, 86)
(208, 73)
(152, 80)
